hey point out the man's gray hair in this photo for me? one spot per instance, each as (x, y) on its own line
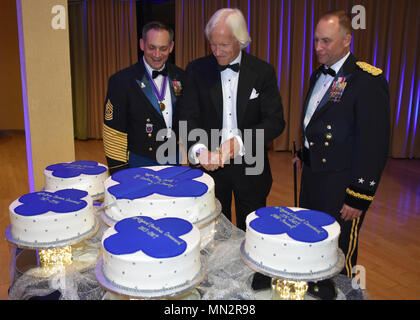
(235, 21)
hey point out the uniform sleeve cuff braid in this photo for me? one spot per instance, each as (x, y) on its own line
(358, 198)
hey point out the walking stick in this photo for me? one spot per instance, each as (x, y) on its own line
(295, 174)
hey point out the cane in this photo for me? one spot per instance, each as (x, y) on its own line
(295, 175)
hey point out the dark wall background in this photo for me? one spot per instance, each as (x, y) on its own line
(152, 10)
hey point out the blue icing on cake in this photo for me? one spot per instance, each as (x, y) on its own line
(62, 201)
(303, 225)
(75, 169)
(137, 183)
(156, 238)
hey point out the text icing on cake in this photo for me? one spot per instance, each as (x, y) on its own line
(156, 238)
(137, 183)
(75, 169)
(303, 225)
(62, 201)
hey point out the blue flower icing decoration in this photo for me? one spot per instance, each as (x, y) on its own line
(304, 225)
(62, 201)
(75, 169)
(137, 183)
(156, 238)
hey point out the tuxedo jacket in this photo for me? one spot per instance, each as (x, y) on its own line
(132, 117)
(202, 104)
(351, 129)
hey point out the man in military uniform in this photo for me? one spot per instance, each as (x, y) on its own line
(140, 107)
(346, 128)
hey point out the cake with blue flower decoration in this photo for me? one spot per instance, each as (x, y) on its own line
(292, 240)
(83, 175)
(48, 217)
(160, 191)
(142, 253)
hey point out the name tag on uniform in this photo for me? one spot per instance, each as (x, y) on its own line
(337, 89)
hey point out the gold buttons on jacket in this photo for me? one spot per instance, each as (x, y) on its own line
(148, 120)
(324, 160)
(328, 127)
(326, 143)
(328, 136)
(311, 144)
(150, 149)
(150, 135)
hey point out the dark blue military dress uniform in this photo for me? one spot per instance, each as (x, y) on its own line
(133, 117)
(348, 138)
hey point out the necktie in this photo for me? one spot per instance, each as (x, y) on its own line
(163, 72)
(234, 67)
(329, 71)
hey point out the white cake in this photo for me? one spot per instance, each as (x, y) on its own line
(142, 253)
(161, 191)
(292, 240)
(83, 175)
(47, 217)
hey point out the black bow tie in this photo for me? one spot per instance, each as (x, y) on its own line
(329, 71)
(163, 72)
(234, 67)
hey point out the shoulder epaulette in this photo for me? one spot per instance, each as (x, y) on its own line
(369, 68)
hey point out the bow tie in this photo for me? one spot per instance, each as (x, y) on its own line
(329, 71)
(234, 67)
(163, 72)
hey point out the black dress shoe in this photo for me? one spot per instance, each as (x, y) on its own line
(323, 290)
(260, 282)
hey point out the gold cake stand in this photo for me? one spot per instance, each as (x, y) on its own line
(50, 256)
(291, 286)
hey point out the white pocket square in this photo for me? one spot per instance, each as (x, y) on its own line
(254, 94)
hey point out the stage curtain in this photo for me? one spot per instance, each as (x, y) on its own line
(108, 43)
(282, 34)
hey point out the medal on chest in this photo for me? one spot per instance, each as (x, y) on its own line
(337, 89)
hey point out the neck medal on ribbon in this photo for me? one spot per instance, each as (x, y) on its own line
(160, 94)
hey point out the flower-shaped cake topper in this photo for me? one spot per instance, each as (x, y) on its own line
(75, 169)
(137, 183)
(304, 225)
(156, 238)
(62, 201)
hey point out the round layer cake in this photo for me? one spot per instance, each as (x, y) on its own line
(292, 240)
(47, 217)
(160, 191)
(143, 253)
(83, 175)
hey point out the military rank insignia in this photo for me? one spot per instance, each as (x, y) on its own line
(337, 89)
(149, 127)
(369, 68)
(177, 87)
(109, 111)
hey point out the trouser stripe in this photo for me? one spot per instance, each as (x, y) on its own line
(352, 246)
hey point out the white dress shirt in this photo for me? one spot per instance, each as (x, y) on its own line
(167, 113)
(230, 129)
(320, 89)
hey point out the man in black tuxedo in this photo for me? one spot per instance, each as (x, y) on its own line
(346, 128)
(140, 112)
(235, 95)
